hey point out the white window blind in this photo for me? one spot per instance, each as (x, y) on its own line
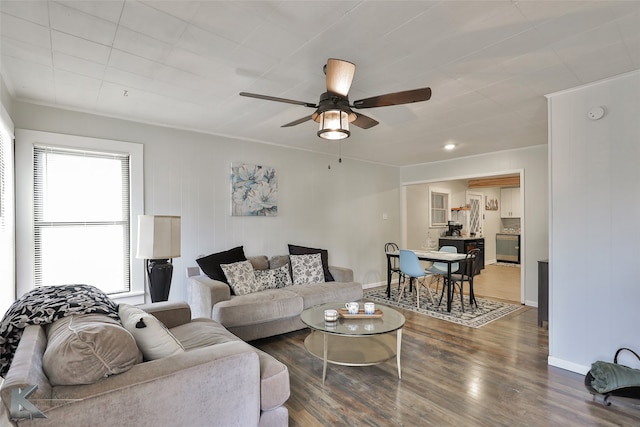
(81, 205)
(439, 208)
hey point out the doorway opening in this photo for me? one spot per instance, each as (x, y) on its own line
(475, 202)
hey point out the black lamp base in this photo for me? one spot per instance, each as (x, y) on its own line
(159, 272)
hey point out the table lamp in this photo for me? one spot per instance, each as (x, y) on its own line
(158, 244)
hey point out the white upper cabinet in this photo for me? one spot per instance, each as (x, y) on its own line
(510, 201)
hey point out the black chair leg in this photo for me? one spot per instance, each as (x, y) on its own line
(444, 286)
(472, 297)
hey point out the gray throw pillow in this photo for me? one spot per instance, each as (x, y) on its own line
(83, 349)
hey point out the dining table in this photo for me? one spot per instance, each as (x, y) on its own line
(448, 258)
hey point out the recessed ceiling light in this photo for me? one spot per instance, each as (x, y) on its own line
(450, 146)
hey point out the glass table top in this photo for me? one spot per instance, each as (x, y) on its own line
(391, 320)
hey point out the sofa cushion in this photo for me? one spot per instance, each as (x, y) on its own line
(274, 278)
(210, 264)
(274, 376)
(241, 277)
(324, 254)
(306, 269)
(278, 261)
(259, 262)
(202, 332)
(258, 307)
(274, 382)
(83, 349)
(322, 293)
(153, 338)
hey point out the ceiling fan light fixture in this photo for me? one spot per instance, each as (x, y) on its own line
(334, 125)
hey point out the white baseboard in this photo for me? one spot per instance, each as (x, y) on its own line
(531, 303)
(568, 366)
(373, 285)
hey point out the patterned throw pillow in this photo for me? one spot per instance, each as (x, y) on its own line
(282, 276)
(307, 269)
(241, 277)
(274, 278)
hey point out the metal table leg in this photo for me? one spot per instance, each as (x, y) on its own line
(325, 338)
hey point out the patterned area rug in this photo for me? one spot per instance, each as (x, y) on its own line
(487, 311)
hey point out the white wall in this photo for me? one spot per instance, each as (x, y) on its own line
(187, 174)
(418, 205)
(595, 206)
(532, 163)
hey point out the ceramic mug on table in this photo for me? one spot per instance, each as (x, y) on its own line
(369, 308)
(352, 307)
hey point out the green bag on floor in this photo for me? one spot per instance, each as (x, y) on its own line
(608, 377)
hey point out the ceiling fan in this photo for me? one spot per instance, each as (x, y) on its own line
(333, 110)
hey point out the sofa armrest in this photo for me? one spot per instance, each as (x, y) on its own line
(171, 314)
(203, 293)
(214, 385)
(26, 367)
(341, 274)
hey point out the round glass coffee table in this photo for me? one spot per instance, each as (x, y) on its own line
(354, 340)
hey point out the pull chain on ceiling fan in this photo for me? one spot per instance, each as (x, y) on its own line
(333, 111)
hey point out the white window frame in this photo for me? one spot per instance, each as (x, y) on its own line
(24, 145)
(447, 208)
(7, 222)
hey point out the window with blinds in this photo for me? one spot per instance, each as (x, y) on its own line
(439, 208)
(81, 205)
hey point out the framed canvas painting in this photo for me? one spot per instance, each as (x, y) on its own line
(254, 190)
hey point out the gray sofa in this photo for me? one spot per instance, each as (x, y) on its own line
(218, 381)
(268, 312)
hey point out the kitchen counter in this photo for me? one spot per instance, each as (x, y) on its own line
(464, 244)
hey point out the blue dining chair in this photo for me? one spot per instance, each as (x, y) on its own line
(411, 268)
(440, 268)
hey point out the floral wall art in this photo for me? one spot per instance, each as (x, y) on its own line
(254, 190)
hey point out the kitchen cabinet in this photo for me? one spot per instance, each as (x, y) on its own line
(510, 201)
(464, 245)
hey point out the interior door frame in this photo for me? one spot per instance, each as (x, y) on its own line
(523, 246)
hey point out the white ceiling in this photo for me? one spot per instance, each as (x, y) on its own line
(182, 64)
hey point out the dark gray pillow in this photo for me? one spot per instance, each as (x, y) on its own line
(324, 256)
(210, 264)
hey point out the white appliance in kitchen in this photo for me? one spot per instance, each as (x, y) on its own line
(508, 247)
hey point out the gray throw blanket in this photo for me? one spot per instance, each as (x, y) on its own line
(45, 305)
(611, 376)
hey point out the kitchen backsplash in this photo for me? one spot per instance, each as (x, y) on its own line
(511, 225)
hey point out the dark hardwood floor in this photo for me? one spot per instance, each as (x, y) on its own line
(496, 375)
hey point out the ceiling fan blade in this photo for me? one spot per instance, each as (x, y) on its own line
(297, 122)
(339, 76)
(397, 98)
(273, 98)
(364, 122)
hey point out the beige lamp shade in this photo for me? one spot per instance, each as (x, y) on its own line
(158, 237)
